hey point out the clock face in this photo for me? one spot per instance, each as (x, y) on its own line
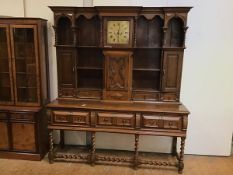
(118, 32)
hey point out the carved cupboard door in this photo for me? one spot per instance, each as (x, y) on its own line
(118, 76)
(172, 65)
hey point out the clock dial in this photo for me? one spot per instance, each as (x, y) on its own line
(118, 32)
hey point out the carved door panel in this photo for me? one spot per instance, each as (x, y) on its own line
(118, 76)
(172, 65)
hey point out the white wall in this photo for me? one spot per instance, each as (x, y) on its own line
(207, 81)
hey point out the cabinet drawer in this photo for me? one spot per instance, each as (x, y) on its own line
(71, 117)
(116, 119)
(89, 94)
(151, 121)
(169, 97)
(116, 95)
(3, 116)
(161, 121)
(80, 118)
(148, 96)
(22, 116)
(172, 122)
(61, 117)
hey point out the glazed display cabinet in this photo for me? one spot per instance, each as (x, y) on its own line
(119, 71)
(23, 88)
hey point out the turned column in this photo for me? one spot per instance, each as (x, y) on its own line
(136, 151)
(92, 158)
(181, 157)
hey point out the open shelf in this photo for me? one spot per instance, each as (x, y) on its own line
(88, 31)
(175, 33)
(90, 58)
(147, 59)
(149, 32)
(90, 78)
(146, 80)
(64, 31)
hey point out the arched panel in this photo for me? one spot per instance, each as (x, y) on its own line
(175, 33)
(88, 31)
(141, 32)
(64, 31)
(149, 32)
(155, 32)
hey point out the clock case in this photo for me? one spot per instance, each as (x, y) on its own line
(131, 31)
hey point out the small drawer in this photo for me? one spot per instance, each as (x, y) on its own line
(116, 119)
(22, 116)
(151, 121)
(80, 118)
(105, 119)
(148, 96)
(172, 122)
(3, 116)
(116, 95)
(66, 92)
(89, 94)
(169, 97)
(62, 117)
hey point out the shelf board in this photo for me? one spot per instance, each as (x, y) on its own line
(91, 47)
(4, 72)
(5, 86)
(145, 90)
(90, 68)
(25, 58)
(89, 89)
(25, 73)
(138, 47)
(146, 69)
(24, 87)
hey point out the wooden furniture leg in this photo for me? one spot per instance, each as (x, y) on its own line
(174, 147)
(136, 151)
(62, 139)
(181, 157)
(92, 148)
(51, 148)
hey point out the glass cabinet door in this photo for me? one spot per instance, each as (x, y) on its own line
(25, 62)
(6, 90)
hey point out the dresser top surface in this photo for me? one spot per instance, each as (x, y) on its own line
(119, 106)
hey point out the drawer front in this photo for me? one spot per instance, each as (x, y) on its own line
(157, 121)
(3, 116)
(116, 95)
(80, 118)
(71, 117)
(61, 117)
(169, 97)
(151, 121)
(140, 96)
(89, 94)
(172, 122)
(22, 116)
(116, 119)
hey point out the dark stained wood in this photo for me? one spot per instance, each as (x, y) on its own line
(117, 85)
(23, 130)
(4, 141)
